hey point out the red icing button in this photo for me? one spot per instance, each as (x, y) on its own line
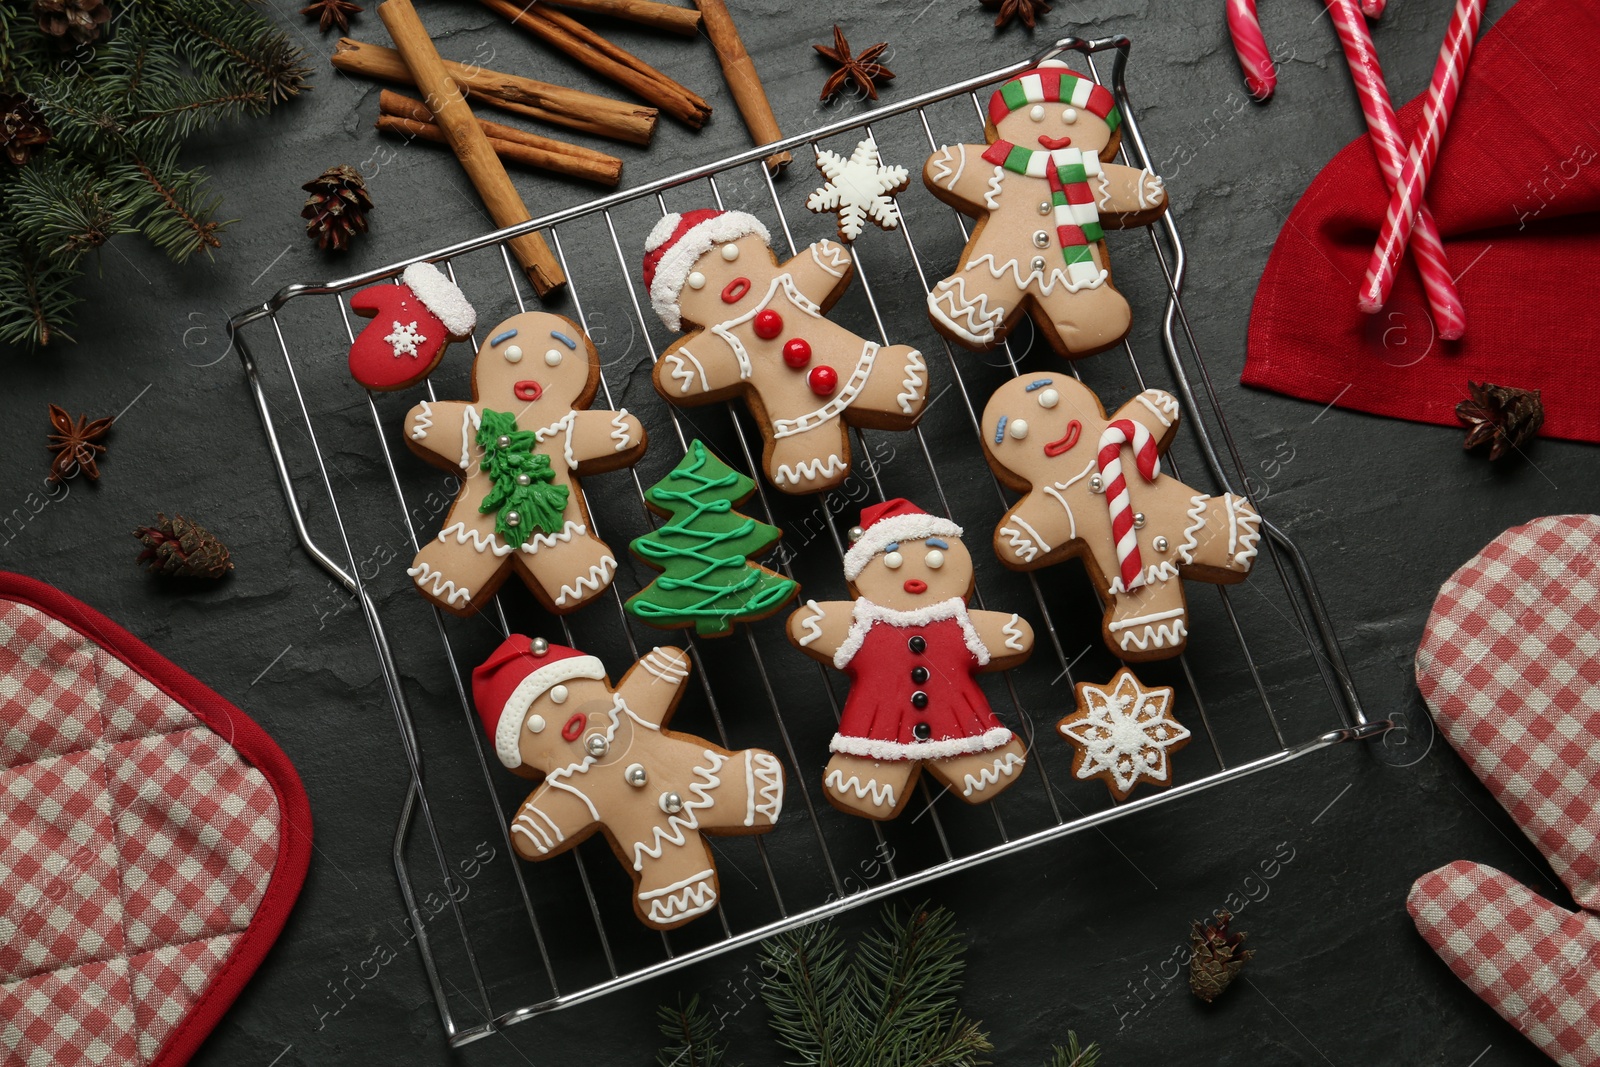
(769, 324)
(796, 352)
(823, 380)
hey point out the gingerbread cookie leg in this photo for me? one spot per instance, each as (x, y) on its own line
(867, 787)
(895, 390)
(973, 308)
(808, 460)
(674, 882)
(980, 776)
(457, 580)
(1087, 321)
(570, 567)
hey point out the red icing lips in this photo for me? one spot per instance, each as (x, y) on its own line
(734, 291)
(528, 390)
(574, 728)
(915, 586)
(1054, 143)
(1068, 439)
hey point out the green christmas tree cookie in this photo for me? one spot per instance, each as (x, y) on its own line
(707, 580)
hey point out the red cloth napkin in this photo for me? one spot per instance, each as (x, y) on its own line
(152, 842)
(1516, 194)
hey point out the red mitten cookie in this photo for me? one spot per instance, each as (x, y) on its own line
(412, 324)
(759, 329)
(1044, 191)
(521, 445)
(911, 648)
(1094, 489)
(152, 842)
(608, 762)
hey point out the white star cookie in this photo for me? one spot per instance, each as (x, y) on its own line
(859, 188)
(1123, 734)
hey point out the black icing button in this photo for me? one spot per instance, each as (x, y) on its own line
(919, 700)
(919, 675)
(922, 731)
(917, 644)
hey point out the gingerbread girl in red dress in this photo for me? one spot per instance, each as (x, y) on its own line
(911, 648)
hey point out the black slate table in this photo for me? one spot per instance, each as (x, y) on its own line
(1073, 935)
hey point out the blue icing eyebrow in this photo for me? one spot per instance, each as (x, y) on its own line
(504, 335)
(892, 546)
(564, 339)
(1040, 384)
(1000, 430)
(936, 543)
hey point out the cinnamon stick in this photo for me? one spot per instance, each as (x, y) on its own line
(617, 119)
(467, 139)
(600, 55)
(398, 104)
(743, 81)
(645, 12)
(401, 114)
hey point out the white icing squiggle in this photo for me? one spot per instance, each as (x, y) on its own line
(437, 584)
(838, 258)
(914, 381)
(680, 373)
(1197, 522)
(809, 470)
(469, 423)
(769, 772)
(942, 168)
(1154, 637)
(424, 423)
(543, 540)
(1095, 277)
(972, 320)
(1156, 572)
(842, 399)
(882, 795)
(1002, 767)
(693, 896)
(1013, 634)
(664, 667)
(811, 624)
(687, 818)
(598, 578)
(991, 198)
(620, 434)
(1248, 527)
(481, 542)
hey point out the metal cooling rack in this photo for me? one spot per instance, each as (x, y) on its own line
(1264, 682)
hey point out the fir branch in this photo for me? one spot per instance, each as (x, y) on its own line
(182, 109)
(225, 39)
(691, 1036)
(36, 297)
(1075, 1056)
(805, 982)
(64, 209)
(905, 984)
(173, 203)
(961, 1043)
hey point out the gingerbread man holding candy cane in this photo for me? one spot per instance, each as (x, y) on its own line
(609, 763)
(759, 329)
(1094, 488)
(1046, 192)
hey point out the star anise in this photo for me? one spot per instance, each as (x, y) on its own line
(864, 70)
(76, 443)
(1504, 414)
(1028, 11)
(330, 13)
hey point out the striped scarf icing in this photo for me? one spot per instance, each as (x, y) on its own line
(1077, 220)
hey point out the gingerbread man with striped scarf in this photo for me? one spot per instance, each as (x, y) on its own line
(1044, 191)
(1094, 488)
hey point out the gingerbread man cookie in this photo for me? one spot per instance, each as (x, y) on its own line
(758, 328)
(521, 445)
(1139, 532)
(608, 762)
(911, 648)
(1123, 734)
(1044, 191)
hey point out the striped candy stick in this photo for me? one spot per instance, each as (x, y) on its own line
(1373, 8)
(1244, 26)
(1389, 146)
(1148, 459)
(1413, 184)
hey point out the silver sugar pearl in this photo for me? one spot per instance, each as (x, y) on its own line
(597, 745)
(1041, 239)
(1159, 544)
(854, 534)
(671, 803)
(524, 479)
(1138, 520)
(503, 441)
(1044, 207)
(1095, 483)
(513, 518)
(1038, 263)
(539, 646)
(635, 775)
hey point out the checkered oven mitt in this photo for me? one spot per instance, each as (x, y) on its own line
(152, 842)
(1510, 666)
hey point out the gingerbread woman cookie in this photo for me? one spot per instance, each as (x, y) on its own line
(521, 445)
(1123, 734)
(608, 762)
(911, 648)
(1139, 532)
(758, 328)
(1044, 191)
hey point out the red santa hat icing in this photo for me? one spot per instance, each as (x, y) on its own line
(412, 323)
(677, 242)
(506, 684)
(1054, 82)
(889, 523)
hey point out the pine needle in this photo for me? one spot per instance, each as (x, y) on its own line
(691, 1036)
(805, 978)
(1075, 1056)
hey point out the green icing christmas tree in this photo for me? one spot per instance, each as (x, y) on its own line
(707, 580)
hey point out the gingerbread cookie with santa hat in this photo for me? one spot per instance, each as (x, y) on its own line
(607, 762)
(758, 328)
(911, 648)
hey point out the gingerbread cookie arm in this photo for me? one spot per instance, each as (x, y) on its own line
(819, 629)
(1127, 196)
(551, 820)
(1006, 635)
(959, 175)
(653, 686)
(821, 272)
(698, 370)
(441, 430)
(599, 441)
(1157, 410)
(1038, 531)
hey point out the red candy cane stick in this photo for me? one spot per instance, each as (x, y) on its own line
(1148, 459)
(1390, 147)
(1408, 194)
(1244, 26)
(1373, 8)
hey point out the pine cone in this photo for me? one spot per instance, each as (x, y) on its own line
(337, 207)
(1217, 958)
(1502, 413)
(73, 21)
(181, 548)
(22, 128)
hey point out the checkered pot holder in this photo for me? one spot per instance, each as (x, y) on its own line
(152, 842)
(1510, 667)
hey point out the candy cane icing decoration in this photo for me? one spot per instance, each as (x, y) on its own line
(1260, 76)
(1148, 459)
